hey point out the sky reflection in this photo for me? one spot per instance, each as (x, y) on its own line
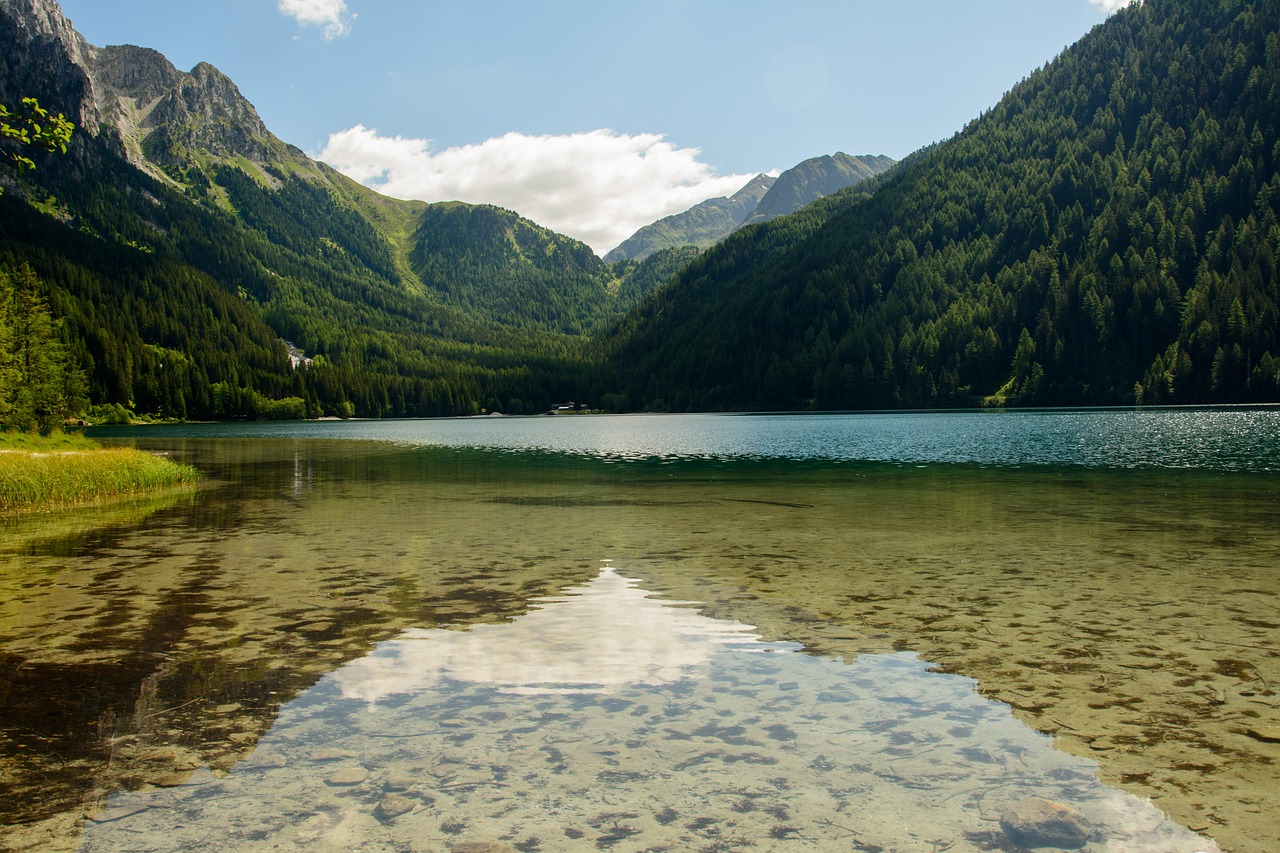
(593, 638)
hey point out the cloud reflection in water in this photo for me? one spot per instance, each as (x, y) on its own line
(593, 638)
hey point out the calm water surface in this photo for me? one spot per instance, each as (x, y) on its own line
(858, 632)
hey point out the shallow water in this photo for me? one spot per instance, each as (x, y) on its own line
(869, 655)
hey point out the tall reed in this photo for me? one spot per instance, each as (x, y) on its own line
(47, 478)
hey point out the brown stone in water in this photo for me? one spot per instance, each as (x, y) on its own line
(348, 776)
(176, 779)
(1037, 822)
(481, 847)
(394, 805)
(396, 781)
(1270, 734)
(331, 754)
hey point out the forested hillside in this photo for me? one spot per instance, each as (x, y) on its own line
(179, 244)
(1106, 234)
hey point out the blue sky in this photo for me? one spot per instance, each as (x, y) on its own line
(594, 118)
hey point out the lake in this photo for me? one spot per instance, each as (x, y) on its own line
(668, 632)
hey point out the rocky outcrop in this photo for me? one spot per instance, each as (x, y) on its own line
(163, 115)
(132, 97)
(42, 55)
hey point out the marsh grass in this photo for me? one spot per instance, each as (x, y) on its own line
(51, 472)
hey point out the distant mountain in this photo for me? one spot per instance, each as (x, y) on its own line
(1104, 235)
(811, 180)
(181, 241)
(702, 225)
(763, 198)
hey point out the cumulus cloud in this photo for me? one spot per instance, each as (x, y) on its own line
(1109, 6)
(597, 186)
(330, 14)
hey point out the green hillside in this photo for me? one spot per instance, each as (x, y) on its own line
(489, 261)
(181, 244)
(1106, 234)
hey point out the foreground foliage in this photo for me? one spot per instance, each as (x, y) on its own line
(44, 473)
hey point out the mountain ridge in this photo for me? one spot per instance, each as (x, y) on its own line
(700, 226)
(763, 198)
(811, 179)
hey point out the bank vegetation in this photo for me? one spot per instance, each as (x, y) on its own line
(43, 473)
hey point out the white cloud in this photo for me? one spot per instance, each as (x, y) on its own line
(1109, 6)
(598, 186)
(330, 14)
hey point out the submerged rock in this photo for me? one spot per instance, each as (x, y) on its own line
(348, 776)
(481, 847)
(398, 781)
(1037, 822)
(331, 754)
(394, 805)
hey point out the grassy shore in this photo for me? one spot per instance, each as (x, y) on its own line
(52, 472)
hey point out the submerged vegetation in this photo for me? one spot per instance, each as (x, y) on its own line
(50, 472)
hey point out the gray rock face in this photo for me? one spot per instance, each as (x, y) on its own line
(1037, 822)
(37, 43)
(809, 181)
(163, 115)
(156, 115)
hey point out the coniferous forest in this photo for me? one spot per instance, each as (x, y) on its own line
(1107, 234)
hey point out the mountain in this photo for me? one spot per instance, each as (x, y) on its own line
(809, 181)
(180, 242)
(1108, 233)
(761, 199)
(492, 261)
(702, 225)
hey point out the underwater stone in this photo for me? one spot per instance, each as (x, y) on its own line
(394, 805)
(1270, 734)
(331, 754)
(348, 776)
(1037, 822)
(396, 781)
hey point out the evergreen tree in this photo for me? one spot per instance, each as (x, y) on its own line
(40, 387)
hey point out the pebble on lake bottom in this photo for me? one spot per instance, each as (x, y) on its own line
(1037, 822)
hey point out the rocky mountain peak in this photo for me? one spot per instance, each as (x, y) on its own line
(170, 114)
(134, 72)
(156, 115)
(38, 43)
